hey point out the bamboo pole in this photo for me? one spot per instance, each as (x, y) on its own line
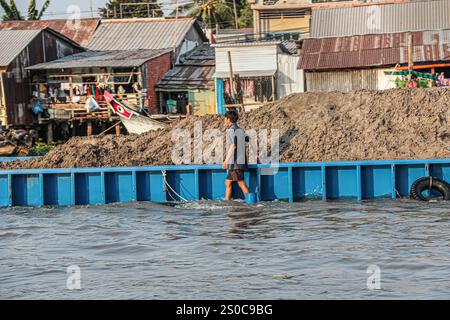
(89, 128)
(114, 125)
(410, 52)
(230, 64)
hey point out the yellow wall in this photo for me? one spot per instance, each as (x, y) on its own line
(203, 101)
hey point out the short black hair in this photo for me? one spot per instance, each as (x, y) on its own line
(232, 115)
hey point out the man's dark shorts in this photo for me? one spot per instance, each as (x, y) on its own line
(235, 175)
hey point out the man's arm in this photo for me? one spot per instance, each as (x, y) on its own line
(230, 153)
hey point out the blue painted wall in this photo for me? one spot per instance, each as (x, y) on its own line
(292, 182)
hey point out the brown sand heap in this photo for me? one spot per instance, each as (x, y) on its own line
(362, 125)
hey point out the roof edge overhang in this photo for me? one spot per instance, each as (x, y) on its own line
(60, 35)
(52, 64)
(246, 73)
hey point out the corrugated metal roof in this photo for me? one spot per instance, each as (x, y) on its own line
(13, 42)
(195, 71)
(393, 18)
(89, 59)
(203, 55)
(188, 77)
(246, 44)
(289, 46)
(79, 31)
(374, 50)
(140, 34)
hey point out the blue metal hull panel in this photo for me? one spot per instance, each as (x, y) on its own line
(360, 180)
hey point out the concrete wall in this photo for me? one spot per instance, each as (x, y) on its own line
(344, 81)
(289, 78)
(384, 81)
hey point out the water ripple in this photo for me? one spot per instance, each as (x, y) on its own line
(218, 250)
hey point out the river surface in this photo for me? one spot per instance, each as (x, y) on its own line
(215, 250)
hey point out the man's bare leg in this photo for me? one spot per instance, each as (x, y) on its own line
(243, 187)
(229, 189)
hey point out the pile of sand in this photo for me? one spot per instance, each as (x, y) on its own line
(362, 125)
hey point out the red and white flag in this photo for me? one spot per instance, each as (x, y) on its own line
(117, 106)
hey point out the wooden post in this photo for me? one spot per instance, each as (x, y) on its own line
(274, 91)
(89, 128)
(161, 102)
(230, 65)
(239, 93)
(70, 89)
(74, 129)
(256, 25)
(410, 52)
(118, 127)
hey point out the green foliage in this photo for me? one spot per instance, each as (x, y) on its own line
(399, 83)
(32, 12)
(423, 83)
(245, 16)
(111, 9)
(40, 149)
(11, 12)
(210, 12)
(218, 12)
(43, 9)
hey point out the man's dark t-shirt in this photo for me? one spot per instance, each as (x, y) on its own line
(236, 136)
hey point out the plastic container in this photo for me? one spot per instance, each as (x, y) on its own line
(250, 198)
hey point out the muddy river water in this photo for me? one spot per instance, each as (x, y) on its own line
(214, 250)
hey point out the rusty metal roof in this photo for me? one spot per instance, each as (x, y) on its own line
(374, 50)
(13, 42)
(131, 34)
(80, 31)
(89, 59)
(377, 18)
(195, 71)
(187, 77)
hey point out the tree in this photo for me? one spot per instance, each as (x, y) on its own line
(214, 12)
(114, 10)
(33, 13)
(217, 13)
(12, 13)
(245, 15)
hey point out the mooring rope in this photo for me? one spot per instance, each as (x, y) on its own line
(164, 174)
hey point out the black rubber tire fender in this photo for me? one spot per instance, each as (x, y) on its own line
(429, 183)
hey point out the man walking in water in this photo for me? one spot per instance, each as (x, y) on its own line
(235, 157)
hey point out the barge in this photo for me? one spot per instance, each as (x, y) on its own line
(358, 180)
